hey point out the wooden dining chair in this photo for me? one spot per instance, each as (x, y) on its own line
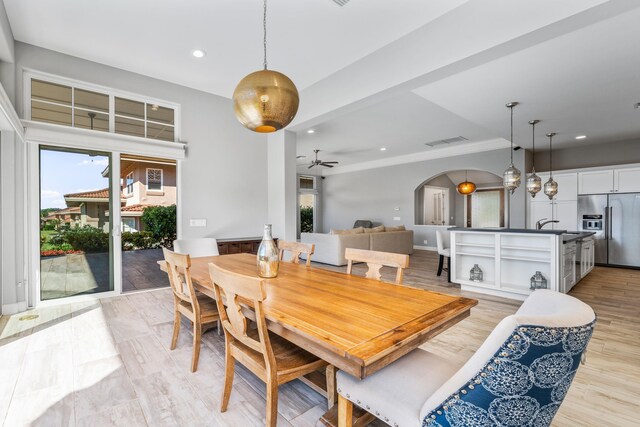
(375, 261)
(296, 249)
(201, 310)
(271, 358)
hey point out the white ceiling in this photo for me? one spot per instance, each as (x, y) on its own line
(378, 73)
(307, 40)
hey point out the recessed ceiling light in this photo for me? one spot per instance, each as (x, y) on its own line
(311, 131)
(199, 53)
(383, 149)
(581, 136)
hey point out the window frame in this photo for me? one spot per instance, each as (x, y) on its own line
(30, 74)
(161, 180)
(126, 185)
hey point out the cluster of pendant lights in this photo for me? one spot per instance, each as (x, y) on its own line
(511, 177)
(266, 100)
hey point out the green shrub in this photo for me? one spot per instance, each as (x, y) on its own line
(306, 219)
(87, 239)
(160, 221)
(139, 240)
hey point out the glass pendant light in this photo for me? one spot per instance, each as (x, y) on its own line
(534, 182)
(467, 187)
(511, 177)
(266, 100)
(550, 187)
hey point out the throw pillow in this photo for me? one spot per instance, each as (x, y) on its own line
(377, 229)
(396, 228)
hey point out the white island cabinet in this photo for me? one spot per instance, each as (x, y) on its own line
(508, 260)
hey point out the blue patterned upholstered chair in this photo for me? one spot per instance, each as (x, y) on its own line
(518, 377)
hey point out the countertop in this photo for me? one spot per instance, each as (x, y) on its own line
(567, 236)
(573, 236)
(509, 230)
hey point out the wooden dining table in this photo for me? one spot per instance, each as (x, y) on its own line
(357, 325)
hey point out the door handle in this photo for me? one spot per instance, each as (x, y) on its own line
(606, 223)
(610, 222)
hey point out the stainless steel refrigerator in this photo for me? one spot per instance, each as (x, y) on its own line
(615, 218)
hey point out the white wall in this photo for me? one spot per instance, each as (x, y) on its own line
(224, 175)
(375, 193)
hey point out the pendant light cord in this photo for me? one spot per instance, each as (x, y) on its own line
(550, 158)
(264, 27)
(511, 108)
(533, 149)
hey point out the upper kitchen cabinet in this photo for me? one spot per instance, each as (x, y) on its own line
(625, 180)
(595, 182)
(567, 187)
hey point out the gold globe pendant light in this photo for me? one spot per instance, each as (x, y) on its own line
(550, 187)
(534, 182)
(266, 100)
(511, 177)
(467, 187)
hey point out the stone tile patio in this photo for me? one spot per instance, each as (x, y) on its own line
(78, 274)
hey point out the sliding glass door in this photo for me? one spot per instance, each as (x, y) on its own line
(76, 242)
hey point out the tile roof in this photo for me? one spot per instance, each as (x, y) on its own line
(75, 209)
(134, 208)
(95, 194)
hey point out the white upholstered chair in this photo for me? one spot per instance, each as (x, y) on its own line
(518, 376)
(195, 248)
(443, 242)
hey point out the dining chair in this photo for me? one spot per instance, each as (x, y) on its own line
(375, 261)
(519, 376)
(199, 309)
(296, 249)
(271, 358)
(199, 247)
(443, 242)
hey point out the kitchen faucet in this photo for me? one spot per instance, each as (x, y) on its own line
(542, 222)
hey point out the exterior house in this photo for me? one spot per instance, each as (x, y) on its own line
(69, 215)
(144, 183)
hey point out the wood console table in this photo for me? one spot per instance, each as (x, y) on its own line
(244, 245)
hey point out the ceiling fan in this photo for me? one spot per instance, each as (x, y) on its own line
(317, 162)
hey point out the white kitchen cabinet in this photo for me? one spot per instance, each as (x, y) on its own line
(587, 256)
(626, 180)
(539, 210)
(595, 182)
(568, 267)
(564, 211)
(567, 213)
(567, 186)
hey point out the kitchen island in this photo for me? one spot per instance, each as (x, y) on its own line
(509, 257)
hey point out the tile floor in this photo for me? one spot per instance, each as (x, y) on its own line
(107, 363)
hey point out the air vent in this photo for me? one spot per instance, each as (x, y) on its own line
(446, 141)
(341, 2)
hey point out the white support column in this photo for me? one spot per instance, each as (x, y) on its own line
(281, 184)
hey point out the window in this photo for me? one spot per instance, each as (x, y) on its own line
(307, 182)
(485, 208)
(128, 183)
(83, 107)
(154, 179)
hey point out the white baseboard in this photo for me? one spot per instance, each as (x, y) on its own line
(425, 248)
(14, 308)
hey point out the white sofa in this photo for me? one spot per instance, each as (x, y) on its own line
(330, 247)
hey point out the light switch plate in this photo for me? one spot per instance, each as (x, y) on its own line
(198, 222)
(396, 218)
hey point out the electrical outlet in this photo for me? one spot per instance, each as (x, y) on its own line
(396, 218)
(426, 242)
(201, 222)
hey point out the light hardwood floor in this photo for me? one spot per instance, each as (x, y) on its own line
(109, 363)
